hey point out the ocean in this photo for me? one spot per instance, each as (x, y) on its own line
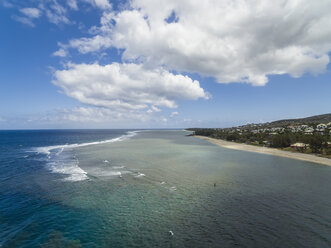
(155, 188)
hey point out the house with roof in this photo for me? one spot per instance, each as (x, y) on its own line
(321, 127)
(309, 130)
(300, 146)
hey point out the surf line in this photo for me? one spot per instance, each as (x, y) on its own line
(48, 149)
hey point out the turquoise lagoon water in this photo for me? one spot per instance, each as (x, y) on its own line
(126, 188)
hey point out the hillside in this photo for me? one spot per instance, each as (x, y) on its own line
(325, 118)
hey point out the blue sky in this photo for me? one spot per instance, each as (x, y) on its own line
(161, 64)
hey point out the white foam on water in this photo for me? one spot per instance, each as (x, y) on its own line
(48, 149)
(117, 167)
(70, 166)
(106, 161)
(104, 173)
(60, 151)
(173, 188)
(140, 175)
(111, 173)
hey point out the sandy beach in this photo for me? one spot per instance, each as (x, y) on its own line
(267, 150)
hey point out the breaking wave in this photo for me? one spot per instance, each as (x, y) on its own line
(60, 148)
(70, 168)
(59, 161)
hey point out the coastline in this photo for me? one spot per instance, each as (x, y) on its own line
(267, 150)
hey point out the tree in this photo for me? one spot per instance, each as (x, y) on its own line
(280, 141)
(316, 143)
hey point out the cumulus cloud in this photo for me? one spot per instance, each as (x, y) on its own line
(95, 43)
(126, 86)
(230, 40)
(85, 45)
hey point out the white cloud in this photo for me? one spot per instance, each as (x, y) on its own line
(102, 4)
(72, 4)
(231, 40)
(126, 86)
(7, 4)
(31, 12)
(94, 115)
(153, 109)
(86, 45)
(29, 15)
(84, 117)
(93, 44)
(24, 20)
(61, 53)
(173, 114)
(56, 13)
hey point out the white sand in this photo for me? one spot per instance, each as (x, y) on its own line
(268, 150)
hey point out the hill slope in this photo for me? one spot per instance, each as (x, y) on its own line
(325, 118)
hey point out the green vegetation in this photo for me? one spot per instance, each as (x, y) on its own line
(309, 137)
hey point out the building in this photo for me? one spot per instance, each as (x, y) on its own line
(300, 146)
(309, 130)
(321, 127)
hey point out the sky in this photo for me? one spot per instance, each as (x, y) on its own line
(162, 63)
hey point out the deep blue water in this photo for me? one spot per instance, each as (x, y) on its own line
(119, 188)
(27, 217)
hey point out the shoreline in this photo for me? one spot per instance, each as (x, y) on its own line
(267, 150)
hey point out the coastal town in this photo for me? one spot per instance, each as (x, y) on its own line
(291, 135)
